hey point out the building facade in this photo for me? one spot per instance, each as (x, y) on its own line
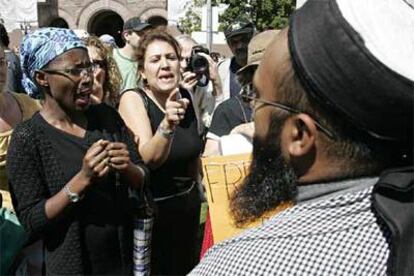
(100, 16)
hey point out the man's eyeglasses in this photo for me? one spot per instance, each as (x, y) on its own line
(293, 110)
(248, 92)
(78, 72)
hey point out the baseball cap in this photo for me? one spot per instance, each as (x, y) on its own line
(256, 49)
(239, 26)
(135, 24)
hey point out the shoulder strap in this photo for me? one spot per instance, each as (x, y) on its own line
(243, 111)
(139, 92)
(393, 199)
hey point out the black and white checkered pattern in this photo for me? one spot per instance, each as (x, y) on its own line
(336, 236)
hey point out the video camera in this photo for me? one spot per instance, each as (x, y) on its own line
(199, 65)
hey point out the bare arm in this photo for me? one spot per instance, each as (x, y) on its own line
(211, 148)
(246, 129)
(153, 148)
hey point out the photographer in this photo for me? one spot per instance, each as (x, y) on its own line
(203, 96)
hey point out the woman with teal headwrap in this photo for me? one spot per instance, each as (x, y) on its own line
(72, 167)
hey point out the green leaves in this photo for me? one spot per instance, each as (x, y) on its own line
(265, 14)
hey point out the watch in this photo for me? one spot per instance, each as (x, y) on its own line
(73, 197)
(166, 133)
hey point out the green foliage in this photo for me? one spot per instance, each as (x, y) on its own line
(265, 14)
(191, 22)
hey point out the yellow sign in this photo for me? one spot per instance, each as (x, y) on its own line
(221, 175)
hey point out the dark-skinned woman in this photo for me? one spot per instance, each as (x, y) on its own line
(72, 167)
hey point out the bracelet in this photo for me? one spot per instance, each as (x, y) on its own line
(166, 133)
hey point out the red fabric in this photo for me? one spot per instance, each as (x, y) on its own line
(208, 240)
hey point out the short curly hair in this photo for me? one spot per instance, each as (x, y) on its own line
(113, 80)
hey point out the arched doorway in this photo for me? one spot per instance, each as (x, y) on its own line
(59, 22)
(107, 22)
(157, 21)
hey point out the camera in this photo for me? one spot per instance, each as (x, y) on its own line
(199, 65)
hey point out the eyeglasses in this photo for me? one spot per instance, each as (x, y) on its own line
(293, 110)
(248, 92)
(77, 72)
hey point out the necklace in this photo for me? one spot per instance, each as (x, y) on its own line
(150, 95)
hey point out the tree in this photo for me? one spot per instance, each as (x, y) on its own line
(191, 22)
(265, 14)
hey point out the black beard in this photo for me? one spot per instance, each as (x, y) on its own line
(271, 181)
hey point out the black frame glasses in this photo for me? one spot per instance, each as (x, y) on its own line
(75, 72)
(293, 110)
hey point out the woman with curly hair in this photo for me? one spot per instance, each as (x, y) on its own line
(107, 78)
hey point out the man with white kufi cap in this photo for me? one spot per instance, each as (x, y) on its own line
(334, 138)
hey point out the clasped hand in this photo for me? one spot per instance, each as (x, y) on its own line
(104, 156)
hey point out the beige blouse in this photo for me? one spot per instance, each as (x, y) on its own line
(27, 106)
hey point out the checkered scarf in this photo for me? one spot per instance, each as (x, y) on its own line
(340, 235)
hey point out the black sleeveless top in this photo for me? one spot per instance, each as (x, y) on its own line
(177, 173)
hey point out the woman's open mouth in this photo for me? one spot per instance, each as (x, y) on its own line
(83, 98)
(166, 77)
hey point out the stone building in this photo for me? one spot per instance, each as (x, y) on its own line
(100, 16)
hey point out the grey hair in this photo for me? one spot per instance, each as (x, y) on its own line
(184, 37)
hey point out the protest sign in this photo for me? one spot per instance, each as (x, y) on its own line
(222, 175)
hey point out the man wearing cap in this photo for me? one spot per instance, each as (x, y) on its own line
(334, 137)
(238, 36)
(235, 114)
(126, 57)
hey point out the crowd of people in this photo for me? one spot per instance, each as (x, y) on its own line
(325, 105)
